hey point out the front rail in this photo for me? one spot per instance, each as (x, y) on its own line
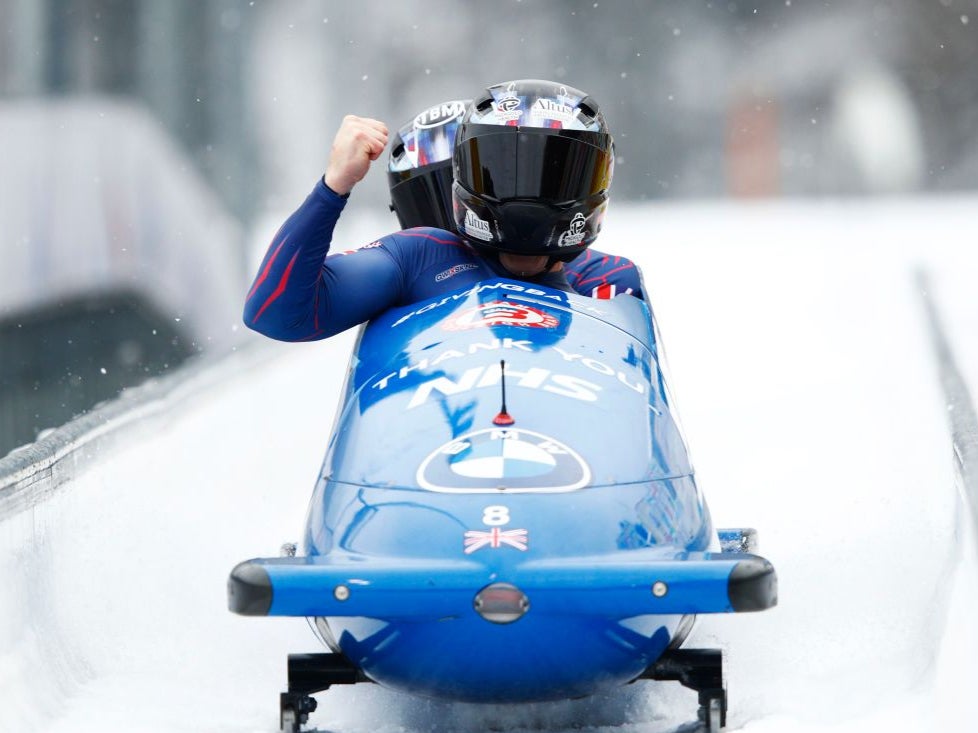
(692, 583)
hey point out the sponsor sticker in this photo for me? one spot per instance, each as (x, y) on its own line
(551, 109)
(478, 290)
(452, 271)
(509, 108)
(477, 227)
(575, 232)
(503, 459)
(501, 313)
(439, 115)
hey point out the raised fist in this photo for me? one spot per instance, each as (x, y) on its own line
(358, 142)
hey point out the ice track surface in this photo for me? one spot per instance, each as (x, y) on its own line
(803, 372)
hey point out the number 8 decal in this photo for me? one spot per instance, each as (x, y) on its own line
(495, 516)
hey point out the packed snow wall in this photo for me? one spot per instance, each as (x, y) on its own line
(117, 532)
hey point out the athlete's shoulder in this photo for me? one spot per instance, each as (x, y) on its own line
(600, 275)
(427, 237)
(424, 246)
(434, 261)
(411, 242)
(592, 259)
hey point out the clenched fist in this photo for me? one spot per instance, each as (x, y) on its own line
(358, 142)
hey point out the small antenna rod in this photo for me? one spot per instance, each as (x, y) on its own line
(503, 418)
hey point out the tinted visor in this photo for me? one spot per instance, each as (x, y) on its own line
(423, 197)
(558, 166)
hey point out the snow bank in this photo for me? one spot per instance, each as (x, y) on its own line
(116, 541)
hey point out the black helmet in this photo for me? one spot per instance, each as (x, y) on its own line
(420, 167)
(532, 167)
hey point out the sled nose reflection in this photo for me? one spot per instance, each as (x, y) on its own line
(501, 603)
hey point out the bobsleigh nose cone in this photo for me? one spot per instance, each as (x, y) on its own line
(501, 603)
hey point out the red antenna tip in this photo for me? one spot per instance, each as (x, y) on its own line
(503, 418)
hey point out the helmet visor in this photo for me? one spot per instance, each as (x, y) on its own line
(423, 197)
(559, 166)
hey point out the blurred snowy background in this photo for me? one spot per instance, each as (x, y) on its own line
(148, 146)
(785, 166)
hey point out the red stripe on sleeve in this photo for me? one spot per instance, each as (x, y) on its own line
(409, 233)
(278, 290)
(268, 266)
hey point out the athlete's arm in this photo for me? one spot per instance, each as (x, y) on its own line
(299, 294)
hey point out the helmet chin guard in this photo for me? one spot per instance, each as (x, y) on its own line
(528, 226)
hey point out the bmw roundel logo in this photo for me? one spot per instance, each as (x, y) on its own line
(503, 459)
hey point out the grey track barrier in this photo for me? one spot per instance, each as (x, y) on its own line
(30, 474)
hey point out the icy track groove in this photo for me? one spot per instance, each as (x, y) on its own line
(800, 358)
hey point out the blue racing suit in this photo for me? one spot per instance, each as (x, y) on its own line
(300, 294)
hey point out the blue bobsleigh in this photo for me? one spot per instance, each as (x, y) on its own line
(507, 513)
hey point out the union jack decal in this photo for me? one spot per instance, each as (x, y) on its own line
(608, 291)
(476, 539)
